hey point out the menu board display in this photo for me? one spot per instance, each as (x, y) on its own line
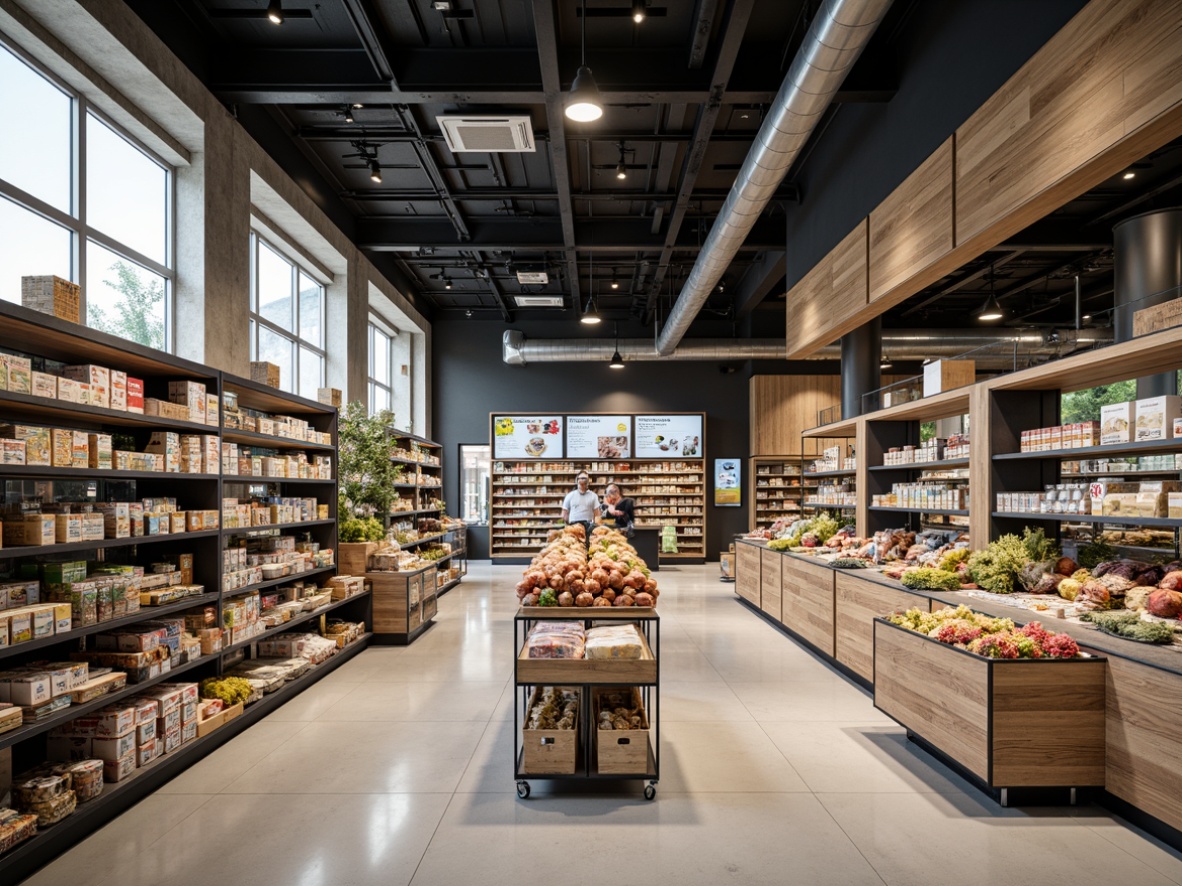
(662, 436)
(599, 436)
(521, 436)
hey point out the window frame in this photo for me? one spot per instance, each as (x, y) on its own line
(378, 326)
(258, 239)
(75, 221)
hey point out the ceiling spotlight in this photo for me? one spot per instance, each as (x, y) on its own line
(468, 313)
(621, 170)
(617, 362)
(275, 12)
(590, 317)
(991, 310)
(885, 362)
(638, 11)
(375, 170)
(615, 284)
(1086, 317)
(348, 113)
(584, 105)
(1129, 175)
(447, 282)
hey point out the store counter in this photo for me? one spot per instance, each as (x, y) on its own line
(648, 544)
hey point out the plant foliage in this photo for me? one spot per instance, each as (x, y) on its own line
(366, 472)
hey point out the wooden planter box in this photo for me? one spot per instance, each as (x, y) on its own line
(747, 571)
(1011, 723)
(806, 589)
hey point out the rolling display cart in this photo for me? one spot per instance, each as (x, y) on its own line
(587, 752)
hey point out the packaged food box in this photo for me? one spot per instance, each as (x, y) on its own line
(98, 687)
(191, 395)
(15, 828)
(31, 529)
(172, 740)
(166, 443)
(67, 528)
(1116, 422)
(12, 452)
(115, 721)
(99, 451)
(86, 779)
(135, 395)
(30, 688)
(145, 732)
(1155, 417)
(20, 374)
(44, 385)
(118, 390)
(117, 770)
(146, 752)
(99, 379)
(50, 812)
(112, 749)
(69, 390)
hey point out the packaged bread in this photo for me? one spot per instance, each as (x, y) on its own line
(86, 778)
(556, 639)
(39, 789)
(15, 828)
(53, 810)
(621, 641)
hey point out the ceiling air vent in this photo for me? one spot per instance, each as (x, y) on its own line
(532, 277)
(496, 135)
(538, 301)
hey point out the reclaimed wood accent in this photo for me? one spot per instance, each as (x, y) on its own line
(747, 571)
(981, 489)
(782, 407)
(861, 480)
(1102, 93)
(911, 233)
(1048, 723)
(936, 692)
(573, 671)
(858, 603)
(806, 603)
(1144, 738)
(769, 583)
(821, 305)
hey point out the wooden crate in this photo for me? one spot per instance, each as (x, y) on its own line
(267, 373)
(353, 557)
(1012, 723)
(329, 396)
(621, 752)
(52, 295)
(549, 751)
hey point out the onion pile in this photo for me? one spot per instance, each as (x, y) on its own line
(607, 573)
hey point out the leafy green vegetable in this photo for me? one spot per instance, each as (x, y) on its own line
(848, 563)
(1092, 555)
(930, 580)
(230, 690)
(357, 529)
(548, 598)
(1038, 546)
(780, 544)
(1130, 626)
(824, 527)
(951, 559)
(996, 567)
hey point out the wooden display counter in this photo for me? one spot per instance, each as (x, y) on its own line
(858, 602)
(807, 590)
(404, 604)
(747, 571)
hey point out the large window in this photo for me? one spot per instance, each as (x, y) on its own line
(474, 483)
(81, 199)
(286, 319)
(381, 367)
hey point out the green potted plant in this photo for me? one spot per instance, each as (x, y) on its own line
(366, 476)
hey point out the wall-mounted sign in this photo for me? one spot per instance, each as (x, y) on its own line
(664, 436)
(520, 436)
(599, 436)
(728, 483)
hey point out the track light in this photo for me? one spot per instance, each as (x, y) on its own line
(615, 284)
(621, 170)
(584, 105)
(275, 12)
(638, 11)
(447, 282)
(375, 170)
(885, 362)
(348, 113)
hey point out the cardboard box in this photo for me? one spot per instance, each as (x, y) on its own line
(1116, 422)
(267, 373)
(18, 373)
(117, 770)
(12, 452)
(135, 395)
(329, 396)
(115, 721)
(32, 529)
(99, 379)
(32, 688)
(944, 375)
(1157, 317)
(68, 528)
(190, 394)
(118, 390)
(80, 449)
(146, 752)
(1155, 417)
(112, 749)
(44, 385)
(168, 444)
(69, 390)
(38, 442)
(1174, 505)
(52, 295)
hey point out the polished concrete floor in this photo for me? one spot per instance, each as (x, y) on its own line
(397, 769)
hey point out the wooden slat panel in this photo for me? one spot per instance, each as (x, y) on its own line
(820, 306)
(570, 671)
(769, 583)
(911, 230)
(784, 406)
(1103, 91)
(980, 474)
(807, 601)
(859, 602)
(935, 692)
(1144, 738)
(1048, 724)
(747, 572)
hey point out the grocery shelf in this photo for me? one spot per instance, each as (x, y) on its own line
(253, 438)
(302, 524)
(288, 625)
(141, 614)
(924, 465)
(937, 511)
(1157, 472)
(419, 541)
(1147, 446)
(272, 582)
(841, 473)
(394, 514)
(252, 478)
(97, 473)
(72, 546)
(820, 504)
(42, 407)
(1171, 522)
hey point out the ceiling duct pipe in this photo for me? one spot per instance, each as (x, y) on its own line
(911, 345)
(836, 38)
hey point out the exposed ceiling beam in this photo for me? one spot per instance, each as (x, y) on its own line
(372, 41)
(704, 17)
(495, 288)
(624, 196)
(335, 132)
(427, 162)
(759, 281)
(734, 29)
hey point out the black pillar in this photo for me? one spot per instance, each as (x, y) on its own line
(861, 359)
(1148, 258)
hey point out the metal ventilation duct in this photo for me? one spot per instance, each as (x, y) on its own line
(997, 348)
(836, 38)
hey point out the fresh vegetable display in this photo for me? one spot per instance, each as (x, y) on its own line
(230, 690)
(986, 636)
(928, 579)
(1131, 626)
(849, 563)
(996, 568)
(607, 572)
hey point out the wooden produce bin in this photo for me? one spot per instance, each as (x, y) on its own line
(859, 601)
(550, 751)
(769, 582)
(398, 604)
(1011, 723)
(747, 569)
(622, 752)
(353, 557)
(807, 600)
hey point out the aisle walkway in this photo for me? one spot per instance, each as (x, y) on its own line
(397, 769)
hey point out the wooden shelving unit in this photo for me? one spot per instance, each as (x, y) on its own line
(776, 484)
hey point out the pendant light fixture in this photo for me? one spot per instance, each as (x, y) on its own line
(885, 362)
(375, 171)
(638, 11)
(617, 362)
(275, 12)
(621, 167)
(583, 105)
(590, 317)
(992, 309)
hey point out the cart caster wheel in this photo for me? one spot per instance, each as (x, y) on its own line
(650, 791)
(523, 790)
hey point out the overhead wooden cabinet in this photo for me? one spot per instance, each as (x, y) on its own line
(826, 304)
(782, 407)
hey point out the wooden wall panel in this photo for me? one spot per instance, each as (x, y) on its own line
(1144, 739)
(820, 306)
(1104, 91)
(782, 406)
(911, 230)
